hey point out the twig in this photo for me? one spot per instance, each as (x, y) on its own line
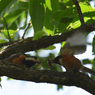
(79, 12)
(7, 30)
(26, 30)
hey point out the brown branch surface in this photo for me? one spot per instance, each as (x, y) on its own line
(47, 76)
(29, 45)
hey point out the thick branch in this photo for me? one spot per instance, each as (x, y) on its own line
(30, 45)
(47, 76)
(79, 11)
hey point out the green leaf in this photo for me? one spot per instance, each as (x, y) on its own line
(19, 6)
(93, 67)
(89, 14)
(3, 39)
(0, 79)
(5, 6)
(50, 47)
(54, 5)
(61, 27)
(89, 21)
(14, 14)
(0, 83)
(48, 22)
(85, 7)
(38, 35)
(68, 13)
(13, 26)
(88, 11)
(48, 4)
(11, 32)
(86, 61)
(18, 10)
(49, 32)
(62, 19)
(37, 14)
(59, 87)
(9, 78)
(75, 23)
(93, 45)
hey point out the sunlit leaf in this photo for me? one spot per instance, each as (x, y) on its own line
(93, 44)
(50, 47)
(3, 40)
(48, 4)
(11, 32)
(38, 35)
(9, 78)
(85, 7)
(93, 67)
(86, 61)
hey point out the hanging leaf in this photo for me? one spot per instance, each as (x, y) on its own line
(38, 35)
(93, 67)
(37, 14)
(93, 45)
(54, 5)
(50, 47)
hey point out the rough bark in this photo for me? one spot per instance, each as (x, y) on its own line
(47, 76)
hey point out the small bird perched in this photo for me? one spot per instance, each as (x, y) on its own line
(67, 58)
(71, 63)
(24, 60)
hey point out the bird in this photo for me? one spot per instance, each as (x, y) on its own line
(24, 60)
(71, 63)
(67, 57)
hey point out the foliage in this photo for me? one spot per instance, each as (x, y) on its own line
(47, 17)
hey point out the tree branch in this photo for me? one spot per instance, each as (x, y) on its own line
(26, 30)
(79, 12)
(47, 76)
(29, 45)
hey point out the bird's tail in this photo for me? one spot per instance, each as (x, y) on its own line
(85, 69)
